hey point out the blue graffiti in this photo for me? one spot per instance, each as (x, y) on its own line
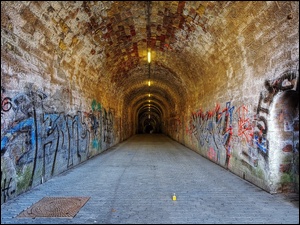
(24, 126)
(261, 143)
(230, 110)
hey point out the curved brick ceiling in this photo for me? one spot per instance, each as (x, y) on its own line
(104, 43)
(109, 42)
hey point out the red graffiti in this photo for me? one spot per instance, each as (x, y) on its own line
(245, 128)
(212, 154)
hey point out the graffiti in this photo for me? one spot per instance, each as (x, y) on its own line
(108, 126)
(49, 143)
(283, 83)
(78, 135)
(95, 130)
(254, 132)
(246, 135)
(261, 128)
(95, 124)
(96, 106)
(5, 102)
(213, 130)
(28, 102)
(212, 154)
(23, 126)
(260, 135)
(245, 127)
(227, 131)
(213, 127)
(6, 189)
(64, 142)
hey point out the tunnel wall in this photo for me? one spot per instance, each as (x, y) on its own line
(259, 142)
(233, 117)
(39, 142)
(47, 124)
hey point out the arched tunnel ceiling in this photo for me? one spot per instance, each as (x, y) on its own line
(103, 44)
(108, 40)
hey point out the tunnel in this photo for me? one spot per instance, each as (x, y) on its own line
(80, 77)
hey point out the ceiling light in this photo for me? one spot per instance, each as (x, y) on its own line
(149, 56)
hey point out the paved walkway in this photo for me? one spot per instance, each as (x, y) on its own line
(134, 182)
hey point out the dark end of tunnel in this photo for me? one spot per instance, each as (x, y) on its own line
(149, 129)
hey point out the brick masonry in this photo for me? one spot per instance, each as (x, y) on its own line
(74, 83)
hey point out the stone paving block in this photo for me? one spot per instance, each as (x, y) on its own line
(121, 192)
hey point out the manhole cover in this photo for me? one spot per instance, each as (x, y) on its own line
(55, 207)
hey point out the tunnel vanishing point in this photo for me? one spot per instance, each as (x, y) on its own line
(219, 77)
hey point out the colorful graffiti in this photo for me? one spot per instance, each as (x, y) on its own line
(285, 82)
(45, 144)
(213, 128)
(246, 124)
